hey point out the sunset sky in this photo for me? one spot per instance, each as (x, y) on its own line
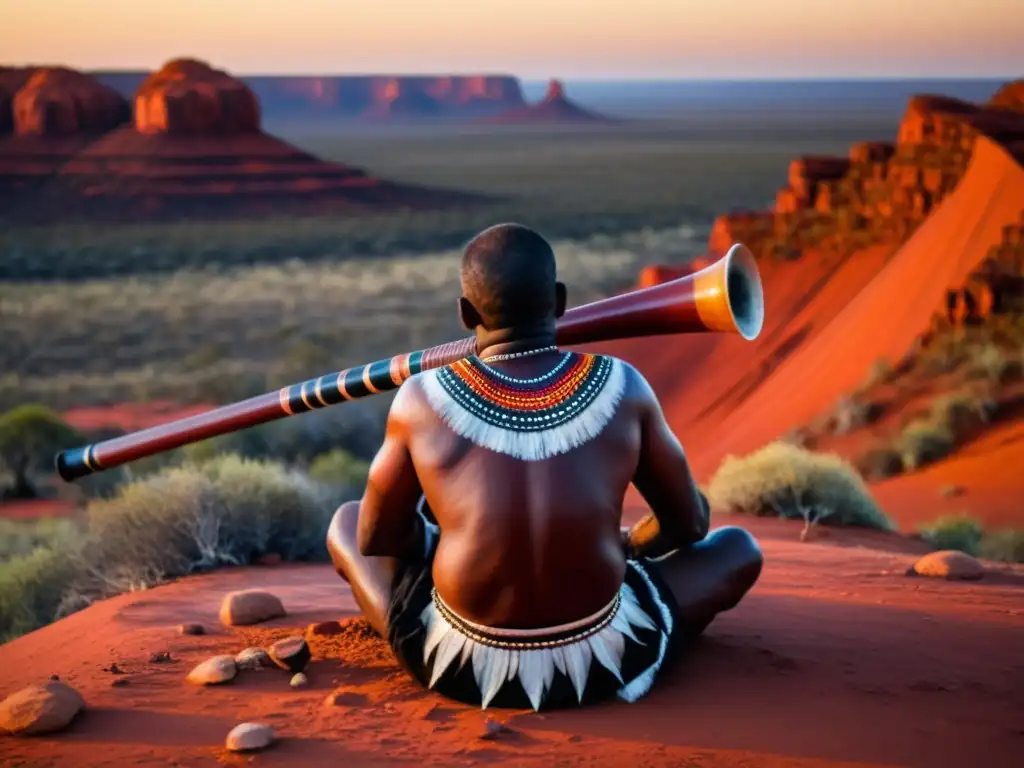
(530, 38)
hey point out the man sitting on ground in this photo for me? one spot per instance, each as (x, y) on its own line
(526, 591)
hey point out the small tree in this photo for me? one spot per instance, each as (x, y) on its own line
(30, 435)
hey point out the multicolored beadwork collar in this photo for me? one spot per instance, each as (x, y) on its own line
(530, 419)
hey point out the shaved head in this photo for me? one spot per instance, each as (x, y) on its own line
(508, 275)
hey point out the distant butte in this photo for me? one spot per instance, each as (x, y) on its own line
(191, 147)
(555, 107)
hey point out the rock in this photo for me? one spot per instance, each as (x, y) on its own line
(493, 729)
(215, 670)
(120, 682)
(299, 681)
(253, 658)
(57, 101)
(189, 97)
(291, 654)
(40, 709)
(248, 737)
(250, 606)
(344, 698)
(160, 657)
(192, 629)
(324, 629)
(949, 564)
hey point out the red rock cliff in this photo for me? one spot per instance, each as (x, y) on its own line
(189, 97)
(11, 81)
(55, 101)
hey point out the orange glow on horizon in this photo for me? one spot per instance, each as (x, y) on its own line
(530, 38)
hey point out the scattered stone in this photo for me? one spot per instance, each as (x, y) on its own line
(40, 709)
(949, 564)
(55, 678)
(493, 729)
(291, 654)
(160, 657)
(324, 629)
(115, 670)
(121, 681)
(218, 669)
(269, 559)
(343, 698)
(248, 737)
(253, 658)
(192, 629)
(250, 606)
(299, 681)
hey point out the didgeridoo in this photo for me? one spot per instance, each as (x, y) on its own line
(725, 297)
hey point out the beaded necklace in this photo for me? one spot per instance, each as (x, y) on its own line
(533, 418)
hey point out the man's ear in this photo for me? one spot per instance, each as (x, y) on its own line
(560, 299)
(468, 315)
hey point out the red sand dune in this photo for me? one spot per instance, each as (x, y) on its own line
(827, 321)
(835, 659)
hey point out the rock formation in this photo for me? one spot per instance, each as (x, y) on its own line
(882, 191)
(555, 107)
(56, 101)
(195, 149)
(379, 96)
(11, 81)
(189, 97)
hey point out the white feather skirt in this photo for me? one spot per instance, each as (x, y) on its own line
(498, 661)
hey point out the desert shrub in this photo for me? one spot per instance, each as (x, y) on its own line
(959, 532)
(790, 482)
(923, 442)
(879, 463)
(227, 511)
(20, 537)
(35, 587)
(988, 361)
(30, 435)
(852, 413)
(963, 413)
(881, 372)
(339, 467)
(1006, 546)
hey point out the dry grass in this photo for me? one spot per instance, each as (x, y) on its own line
(966, 534)
(225, 511)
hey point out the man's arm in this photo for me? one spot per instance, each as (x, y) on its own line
(663, 478)
(389, 525)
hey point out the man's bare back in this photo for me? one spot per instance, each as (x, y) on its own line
(527, 591)
(536, 544)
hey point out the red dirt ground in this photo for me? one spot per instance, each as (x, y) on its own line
(835, 659)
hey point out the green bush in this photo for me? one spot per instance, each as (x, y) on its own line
(20, 537)
(1006, 546)
(30, 436)
(35, 589)
(965, 534)
(923, 442)
(790, 482)
(340, 468)
(958, 532)
(879, 463)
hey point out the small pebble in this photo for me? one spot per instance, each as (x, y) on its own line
(160, 657)
(299, 681)
(192, 629)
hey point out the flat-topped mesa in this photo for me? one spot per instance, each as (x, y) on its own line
(402, 97)
(60, 102)
(189, 97)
